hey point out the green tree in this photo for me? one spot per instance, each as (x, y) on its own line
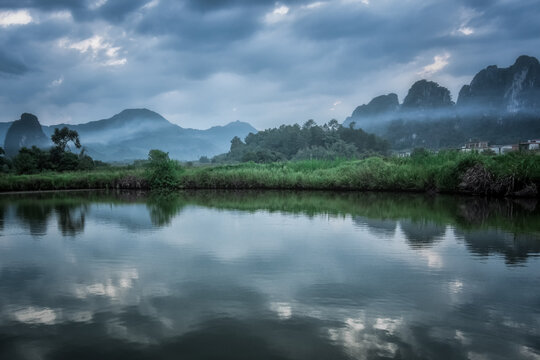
(62, 137)
(204, 160)
(85, 162)
(5, 163)
(32, 160)
(309, 124)
(68, 162)
(162, 172)
(63, 160)
(308, 141)
(236, 143)
(27, 161)
(333, 125)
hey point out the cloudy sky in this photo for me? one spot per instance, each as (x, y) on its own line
(208, 62)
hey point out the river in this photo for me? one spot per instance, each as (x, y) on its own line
(268, 275)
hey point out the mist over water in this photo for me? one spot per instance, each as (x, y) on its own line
(270, 275)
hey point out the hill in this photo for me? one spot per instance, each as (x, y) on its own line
(130, 134)
(500, 105)
(25, 132)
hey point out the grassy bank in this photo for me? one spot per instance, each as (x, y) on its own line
(97, 179)
(514, 174)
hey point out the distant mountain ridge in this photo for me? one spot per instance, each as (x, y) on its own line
(425, 95)
(25, 132)
(499, 105)
(378, 105)
(512, 89)
(130, 134)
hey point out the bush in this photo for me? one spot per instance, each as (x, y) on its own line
(25, 162)
(162, 172)
(262, 156)
(68, 162)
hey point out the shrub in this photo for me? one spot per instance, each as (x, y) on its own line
(162, 172)
(25, 162)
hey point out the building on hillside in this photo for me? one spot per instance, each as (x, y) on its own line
(481, 146)
(503, 149)
(475, 146)
(403, 154)
(530, 145)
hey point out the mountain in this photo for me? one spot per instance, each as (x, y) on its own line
(500, 105)
(379, 105)
(422, 96)
(130, 134)
(426, 95)
(25, 132)
(512, 89)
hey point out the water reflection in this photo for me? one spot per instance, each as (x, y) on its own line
(504, 226)
(35, 216)
(267, 275)
(514, 247)
(422, 234)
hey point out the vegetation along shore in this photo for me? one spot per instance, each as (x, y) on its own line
(291, 157)
(513, 174)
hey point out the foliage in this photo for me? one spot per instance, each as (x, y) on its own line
(31, 161)
(262, 156)
(309, 141)
(70, 180)
(446, 171)
(36, 160)
(162, 172)
(5, 162)
(424, 171)
(204, 160)
(61, 138)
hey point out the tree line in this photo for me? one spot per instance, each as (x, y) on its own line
(309, 141)
(58, 158)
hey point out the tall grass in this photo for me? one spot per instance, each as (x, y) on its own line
(441, 172)
(96, 179)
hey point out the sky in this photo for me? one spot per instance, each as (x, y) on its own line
(202, 63)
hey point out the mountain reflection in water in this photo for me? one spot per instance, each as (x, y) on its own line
(268, 275)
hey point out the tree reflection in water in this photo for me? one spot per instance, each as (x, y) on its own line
(504, 226)
(318, 284)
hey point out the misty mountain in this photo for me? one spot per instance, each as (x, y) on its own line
(130, 134)
(424, 98)
(500, 105)
(426, 95)
(512, 89)
(379, 105)
(25, 132)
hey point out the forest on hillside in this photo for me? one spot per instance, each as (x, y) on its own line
(309, 141)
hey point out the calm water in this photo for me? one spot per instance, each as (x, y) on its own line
(269, 275)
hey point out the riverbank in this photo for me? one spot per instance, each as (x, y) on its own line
(446, 172)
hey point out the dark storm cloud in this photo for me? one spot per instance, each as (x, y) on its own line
(261, 61)
(84, 10)
(117, 10)
(9, 65)
(213, 5)
(186, 27)
(43, 4)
